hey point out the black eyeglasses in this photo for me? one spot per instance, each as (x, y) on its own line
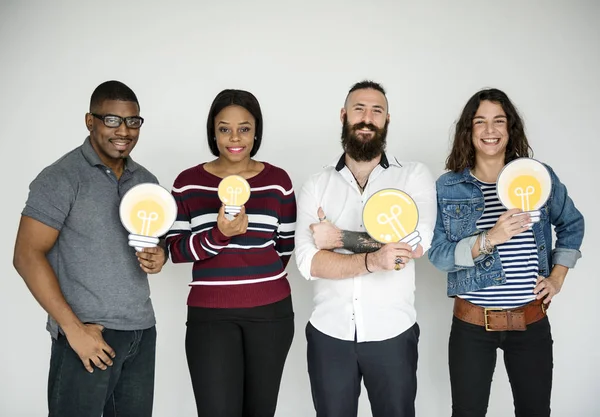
(110, 120)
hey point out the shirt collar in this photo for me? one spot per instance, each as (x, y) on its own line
(94, 160)
(385, 162)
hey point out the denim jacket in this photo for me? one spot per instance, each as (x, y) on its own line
(461, 204)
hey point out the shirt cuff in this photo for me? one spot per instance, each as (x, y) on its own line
(41, 217)
(305, 264)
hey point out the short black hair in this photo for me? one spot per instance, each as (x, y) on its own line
(367, 84)
(112, 90)
(228, 98)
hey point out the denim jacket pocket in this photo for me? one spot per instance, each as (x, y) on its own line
(456, 215)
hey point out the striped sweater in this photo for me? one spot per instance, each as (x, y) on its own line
(241, 271)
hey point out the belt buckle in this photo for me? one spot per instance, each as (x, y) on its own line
(485, 317)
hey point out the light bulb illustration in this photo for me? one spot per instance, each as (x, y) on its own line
(147, 211)
(525, 184)
(234, 192)
(391, 215)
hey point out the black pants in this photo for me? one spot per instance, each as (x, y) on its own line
(236, 358)
(389, 369)
(528, 361)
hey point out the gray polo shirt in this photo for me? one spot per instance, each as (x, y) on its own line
(98, 272)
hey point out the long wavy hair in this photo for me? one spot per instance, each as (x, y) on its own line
(462, 154)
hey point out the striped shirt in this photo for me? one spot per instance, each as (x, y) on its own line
(241, 271)
(519, 259)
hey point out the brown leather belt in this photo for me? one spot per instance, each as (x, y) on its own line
(498, 319)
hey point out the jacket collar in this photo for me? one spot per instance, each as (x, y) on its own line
(453, 178)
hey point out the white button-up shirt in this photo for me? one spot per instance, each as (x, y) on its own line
(376, 306)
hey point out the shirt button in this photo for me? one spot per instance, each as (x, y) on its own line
(108, 171)
(542, 247)
(488, 263)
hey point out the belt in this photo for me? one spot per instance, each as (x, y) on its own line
(499, 319)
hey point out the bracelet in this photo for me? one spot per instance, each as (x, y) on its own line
(366, 267)
(485, 246)
(481, 242)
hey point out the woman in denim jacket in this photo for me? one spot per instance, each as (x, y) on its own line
(501, 268)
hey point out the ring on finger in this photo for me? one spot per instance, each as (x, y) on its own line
(397, 262)
(321, 219)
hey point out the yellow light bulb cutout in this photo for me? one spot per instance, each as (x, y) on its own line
(234, 192)
(391, 215)
(147, 211)
(524, 183)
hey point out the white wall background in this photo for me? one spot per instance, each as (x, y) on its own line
(300, 58)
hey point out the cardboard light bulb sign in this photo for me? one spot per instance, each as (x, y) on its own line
(147, 211)
(524, 184)
(391, 215)
(234, 192)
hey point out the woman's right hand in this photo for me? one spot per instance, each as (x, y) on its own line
(234, 227)
(508, 225)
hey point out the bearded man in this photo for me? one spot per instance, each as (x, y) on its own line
(363, 325)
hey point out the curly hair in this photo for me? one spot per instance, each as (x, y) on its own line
(462, 154)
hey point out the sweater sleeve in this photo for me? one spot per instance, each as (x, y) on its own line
(183, 243)
(284, 239)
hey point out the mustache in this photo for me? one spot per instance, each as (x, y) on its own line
(363, 125)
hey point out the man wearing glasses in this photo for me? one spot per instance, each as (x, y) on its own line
(73, 254)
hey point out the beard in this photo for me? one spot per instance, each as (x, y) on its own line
(361, 149)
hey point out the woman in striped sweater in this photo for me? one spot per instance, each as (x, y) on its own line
(501, 269)
(240, 317)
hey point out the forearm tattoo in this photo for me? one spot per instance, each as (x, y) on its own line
(359, 242)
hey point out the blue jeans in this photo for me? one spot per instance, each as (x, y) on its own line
(528, 361)
(389, 368)
(124, 389)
